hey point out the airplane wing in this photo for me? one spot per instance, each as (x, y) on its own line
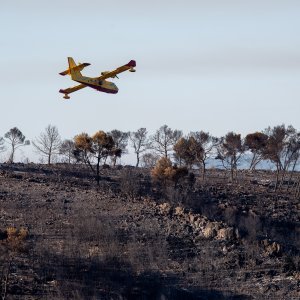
(121, 69)
(72, 89)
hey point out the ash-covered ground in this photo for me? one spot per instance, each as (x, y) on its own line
(64, 237)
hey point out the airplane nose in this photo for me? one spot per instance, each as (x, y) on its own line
(114, 86)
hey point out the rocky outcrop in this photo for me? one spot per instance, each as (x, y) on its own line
(226, 234)
(164, 209)
(199, 224)
(210, 231)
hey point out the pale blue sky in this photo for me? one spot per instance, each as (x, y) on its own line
(217, 66)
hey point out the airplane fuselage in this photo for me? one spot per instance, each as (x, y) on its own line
(99, 85)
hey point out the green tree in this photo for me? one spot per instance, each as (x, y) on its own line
(195, 149)
(120, 143)
(15, 139)
(282, 149)
(256, 143)
(204, 146)
(230, 150)
(186, 151)
(94, 149)
(66, 150)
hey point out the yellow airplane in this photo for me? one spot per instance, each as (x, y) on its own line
(97, 83)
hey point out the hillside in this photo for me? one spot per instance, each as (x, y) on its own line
(64, 237)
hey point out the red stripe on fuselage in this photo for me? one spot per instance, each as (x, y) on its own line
(109, 91)
(101, 89)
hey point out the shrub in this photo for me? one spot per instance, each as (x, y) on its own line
(16, 238)
(164, 172)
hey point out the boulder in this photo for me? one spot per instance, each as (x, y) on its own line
(225, 234)
(191, 218)
(197, 224)
(179, 211)
(210, 230)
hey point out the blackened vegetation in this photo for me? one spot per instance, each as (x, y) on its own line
(132, 237)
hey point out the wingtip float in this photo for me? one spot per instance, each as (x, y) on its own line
(98, 83)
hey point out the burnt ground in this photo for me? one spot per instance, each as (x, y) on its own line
(64, 237)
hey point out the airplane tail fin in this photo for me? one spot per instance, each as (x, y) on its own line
(74, 70)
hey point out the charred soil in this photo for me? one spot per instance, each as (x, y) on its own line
(62, 236)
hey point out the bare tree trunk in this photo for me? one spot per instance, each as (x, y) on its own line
(232, 168)
(277, 179)
(204, 170)
(297, 193)
(98, 171)
(12, 155)
(114, 161)
(49, 155)
(291, 175)
(137, 159)
(5, 281)
(253, 164)
(231, 174)
(87, 162)
(105, 159)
